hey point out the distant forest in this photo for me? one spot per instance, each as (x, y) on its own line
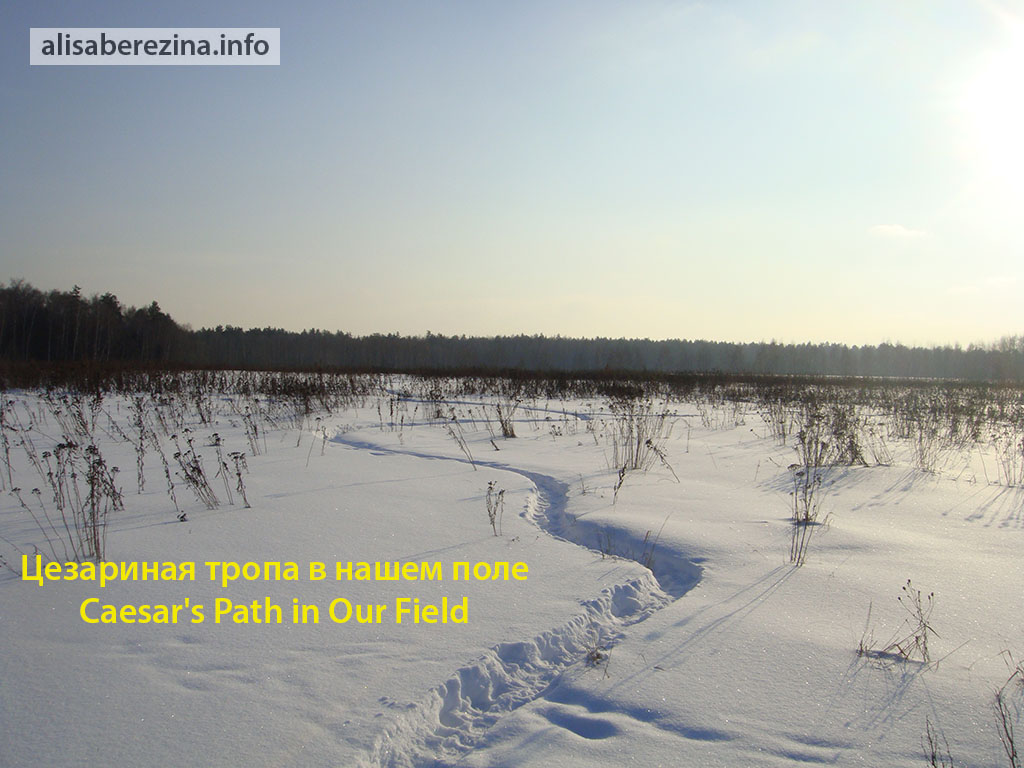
(65, 326)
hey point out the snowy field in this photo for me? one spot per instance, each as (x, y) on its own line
(659, 619)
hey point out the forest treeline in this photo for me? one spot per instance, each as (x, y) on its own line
(65, 326)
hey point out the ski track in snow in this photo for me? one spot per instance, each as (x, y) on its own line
(451, 720)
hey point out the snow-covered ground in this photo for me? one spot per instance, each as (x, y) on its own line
(661, 622)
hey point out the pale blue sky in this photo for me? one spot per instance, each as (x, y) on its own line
(734, 170)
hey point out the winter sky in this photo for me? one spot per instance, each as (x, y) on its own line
(736, 169)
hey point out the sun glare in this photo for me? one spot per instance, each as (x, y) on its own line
(993, 113)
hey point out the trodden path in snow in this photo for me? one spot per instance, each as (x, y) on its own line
(453, 717)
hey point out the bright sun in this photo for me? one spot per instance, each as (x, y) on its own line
(992, 105)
